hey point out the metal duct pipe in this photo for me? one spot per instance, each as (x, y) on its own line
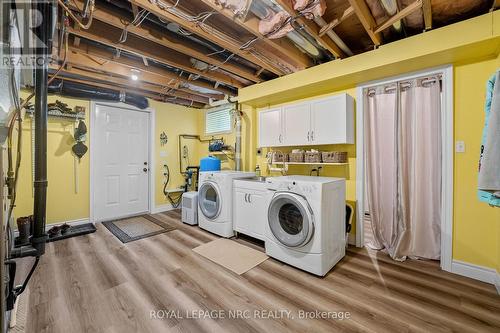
(41, 116)
(333, 36)
(237, 145)
(391, 7)
(80, 90)
(263, 9)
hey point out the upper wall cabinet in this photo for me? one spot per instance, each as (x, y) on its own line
(322, 121)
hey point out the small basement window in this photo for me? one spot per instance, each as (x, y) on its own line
(218, 121)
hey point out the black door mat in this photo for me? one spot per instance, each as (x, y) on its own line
(73, 231)
(137, 227)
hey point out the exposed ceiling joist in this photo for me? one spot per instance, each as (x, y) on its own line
(89, 77)
(108, 35)
(345, 15)
(213, 35)
(118, 20)
(366, 18)
(286, 50)
(400, 15)
(153, 53)
(427, 11)
(155, 96)
(89, 56)
(312, 29)
(496, 4)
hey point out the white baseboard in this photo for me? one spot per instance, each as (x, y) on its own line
(162, 208)
(497, 282)
(484, 274)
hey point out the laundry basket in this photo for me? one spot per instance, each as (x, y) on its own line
(312, 157)
(334, 156)
(296, 157)
(279, 157)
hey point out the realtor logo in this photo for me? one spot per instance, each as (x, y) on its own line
(20, 37)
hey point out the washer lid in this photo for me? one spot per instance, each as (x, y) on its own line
(209, 200)
(290, 219)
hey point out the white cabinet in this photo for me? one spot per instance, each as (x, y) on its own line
(296, 120)
(249, 208)
(332, 120)
(270, 128)
(322, 121)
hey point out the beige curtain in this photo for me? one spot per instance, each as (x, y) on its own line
(380, 165)
(413, 226)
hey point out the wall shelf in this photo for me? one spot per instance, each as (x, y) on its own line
(285, 165)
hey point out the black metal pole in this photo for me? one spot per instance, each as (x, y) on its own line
(41, 77)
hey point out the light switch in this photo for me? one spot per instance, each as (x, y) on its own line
(460, 147)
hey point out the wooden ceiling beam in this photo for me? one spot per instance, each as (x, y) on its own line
(118, 83)
(330, 26)
(399, 15)
(366, 18)
(286, 50)
(312, 29)
(118, 20)
(152, 53)
(213, 35)
(152, 95)
(427, 11)
(108, 35)
(124, 67)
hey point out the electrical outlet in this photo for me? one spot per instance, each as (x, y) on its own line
(460, 147)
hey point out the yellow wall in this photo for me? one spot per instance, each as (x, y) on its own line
(473, 48)
(63, 203)
(474, 236)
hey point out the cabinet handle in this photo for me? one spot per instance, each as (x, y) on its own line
(246, 198)
(308, 137)
(312, 135)
(249, 198)
(280, 138)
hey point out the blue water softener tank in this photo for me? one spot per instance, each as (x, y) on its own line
(210, 163)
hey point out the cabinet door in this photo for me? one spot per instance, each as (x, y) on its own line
(297, 124)
(270, 128)
(258, 208)
(249, 213)
(332, 120)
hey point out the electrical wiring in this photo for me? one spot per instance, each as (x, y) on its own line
(200, 22)
(76, 19)
(137, 21)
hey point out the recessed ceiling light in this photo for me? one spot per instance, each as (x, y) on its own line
(134, 77)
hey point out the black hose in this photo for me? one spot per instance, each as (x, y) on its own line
(175, 202)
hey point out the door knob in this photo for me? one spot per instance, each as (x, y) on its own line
(145, 169)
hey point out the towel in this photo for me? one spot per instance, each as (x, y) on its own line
(489, 161)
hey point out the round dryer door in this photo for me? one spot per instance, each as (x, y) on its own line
(290, 219)
(209, 200)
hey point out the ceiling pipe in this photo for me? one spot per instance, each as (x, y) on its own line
(333, 36)
(391, 8)
(264, 8)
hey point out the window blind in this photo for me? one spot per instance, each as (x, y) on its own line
(218, 121)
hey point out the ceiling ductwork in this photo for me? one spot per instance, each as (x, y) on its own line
(391, 7)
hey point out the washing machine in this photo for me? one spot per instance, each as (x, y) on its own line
(215, 200)
(306, 221)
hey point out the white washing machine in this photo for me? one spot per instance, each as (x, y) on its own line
(306, 221)
(215, 200)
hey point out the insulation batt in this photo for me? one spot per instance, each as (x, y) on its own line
(317, 10)
(274, 21)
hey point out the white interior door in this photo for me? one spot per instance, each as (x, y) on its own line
(121, 164)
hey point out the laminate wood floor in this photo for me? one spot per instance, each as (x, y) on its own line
(94, 283)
